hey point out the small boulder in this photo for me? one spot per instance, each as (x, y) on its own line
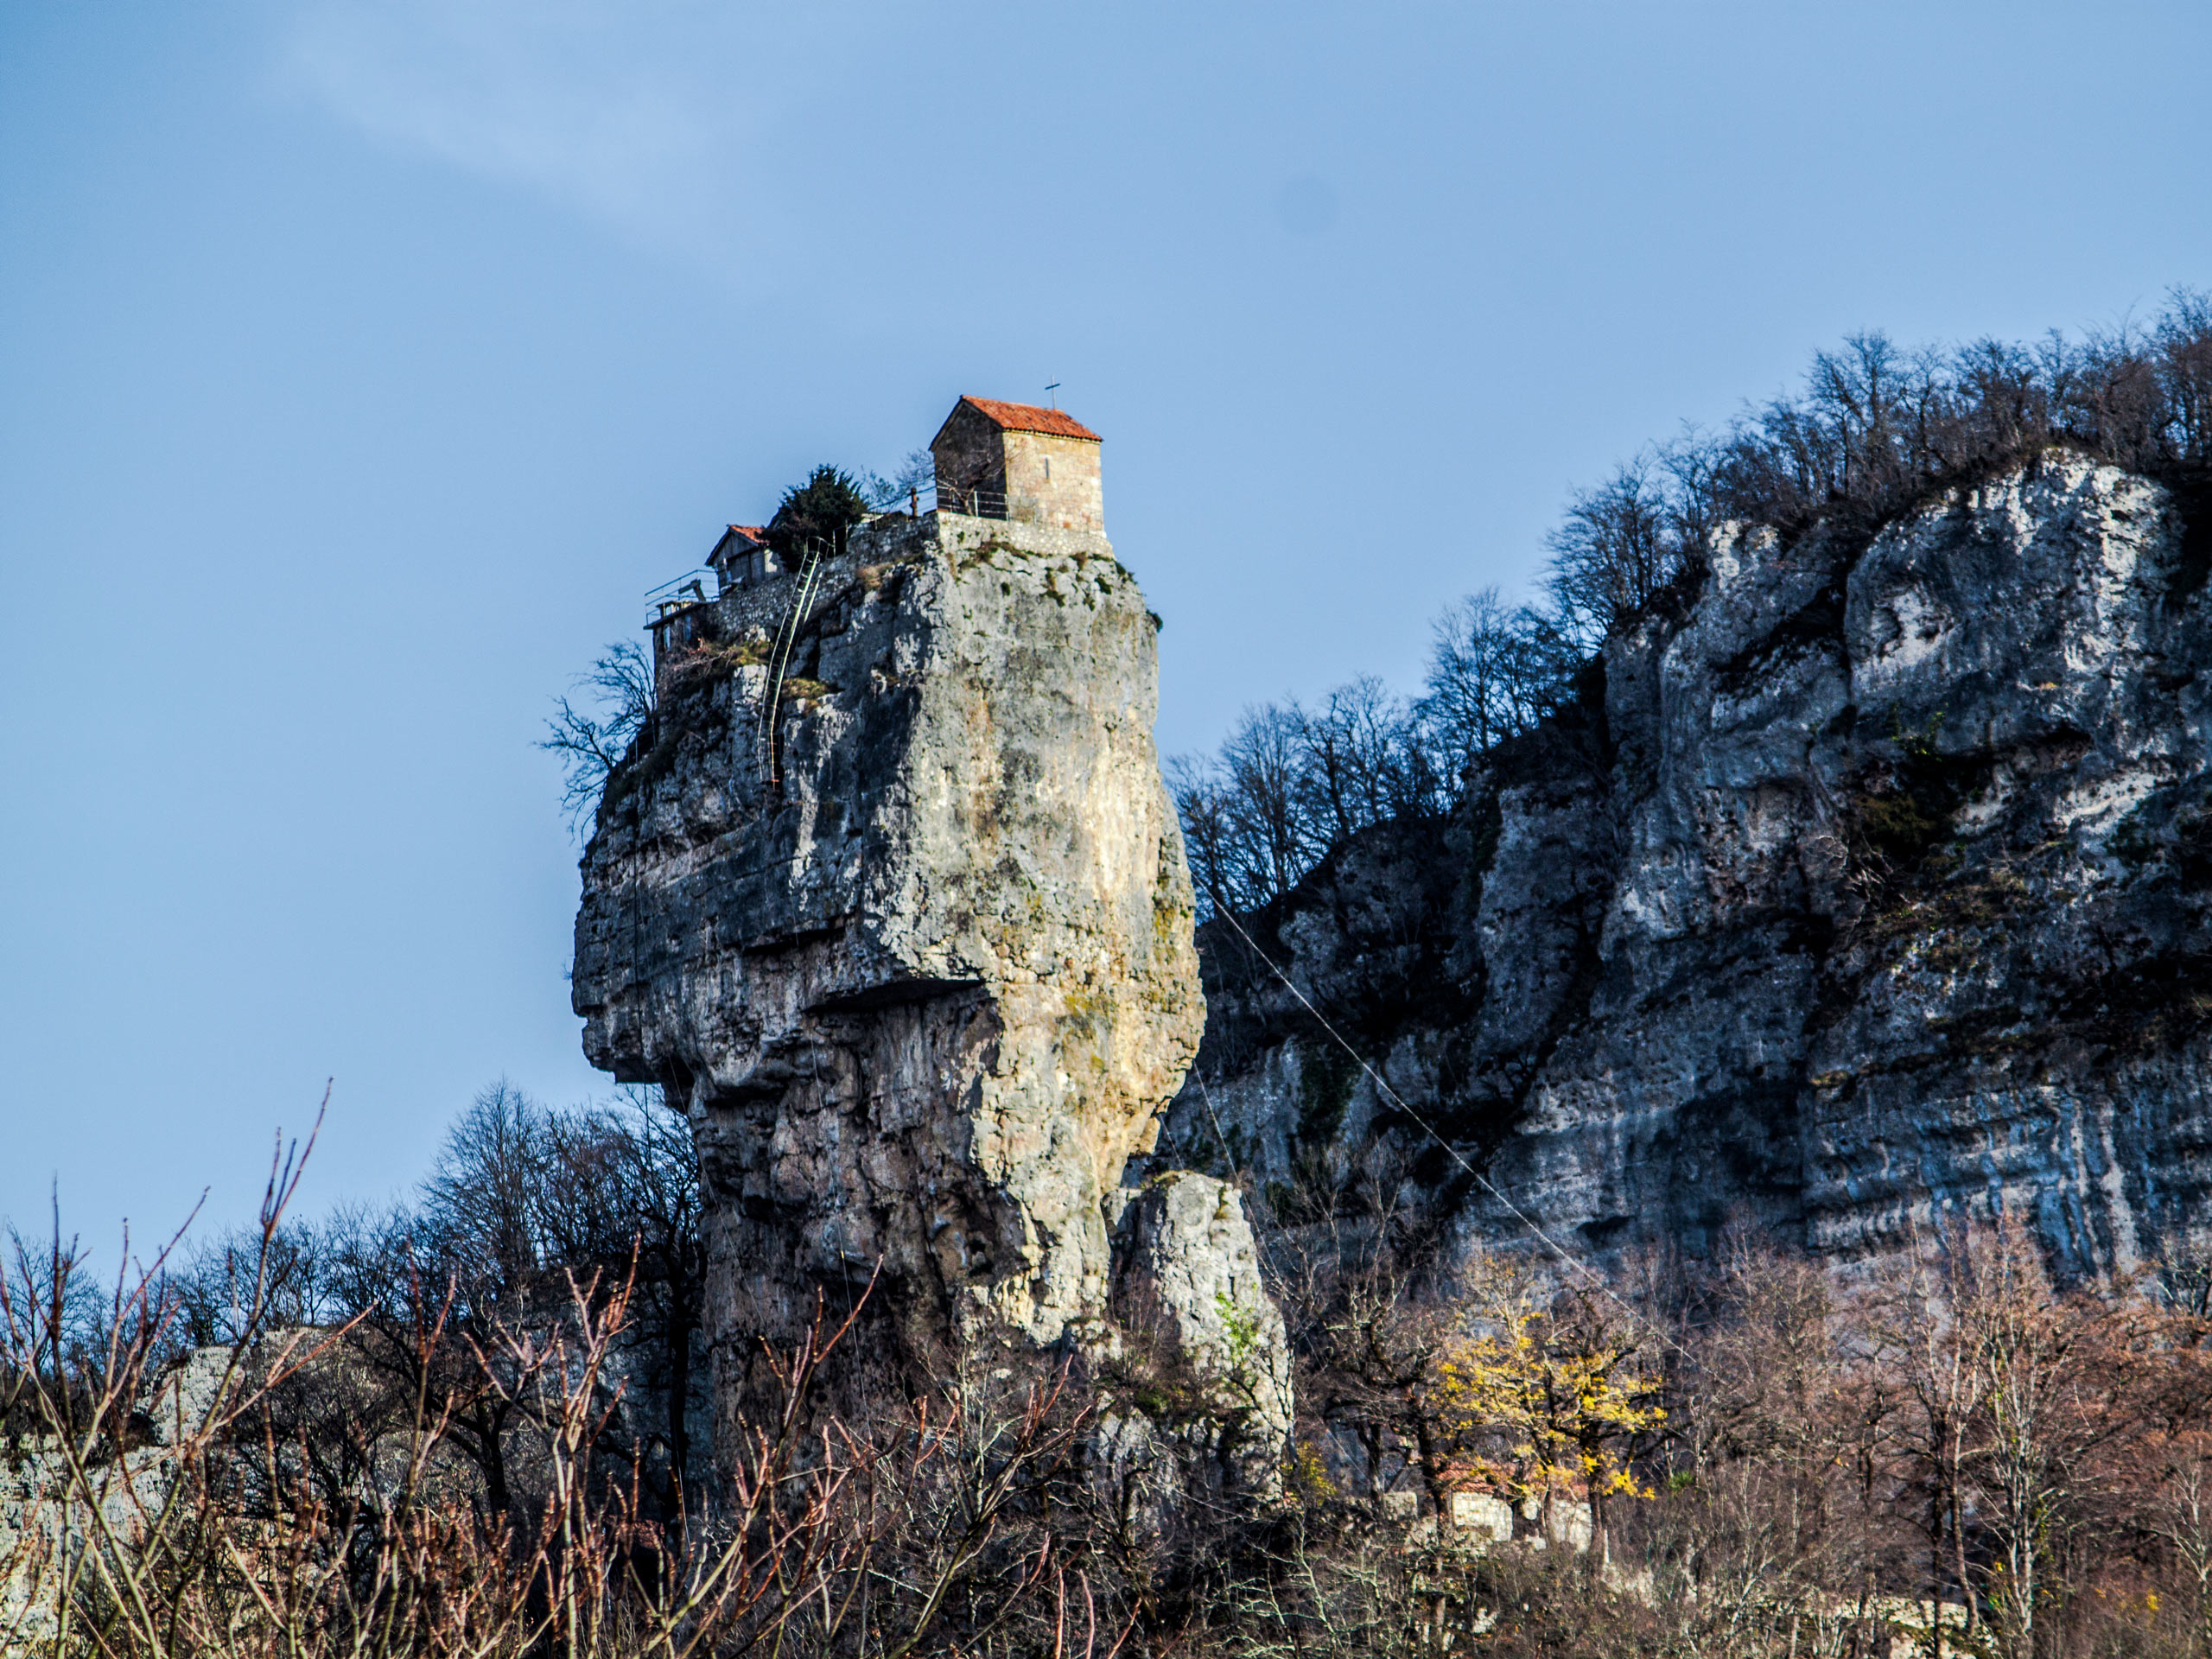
(1187, 1276)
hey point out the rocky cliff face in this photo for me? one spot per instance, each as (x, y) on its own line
(914, 947)
(1866, 892)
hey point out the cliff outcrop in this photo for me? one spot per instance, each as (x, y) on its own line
(913, 947)
(1863, 890)
(1189, 1287)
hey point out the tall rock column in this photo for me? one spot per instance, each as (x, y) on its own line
(913, 948)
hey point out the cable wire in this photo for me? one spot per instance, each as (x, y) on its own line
(1451, 1151)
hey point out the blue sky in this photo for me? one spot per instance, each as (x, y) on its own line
(361, 365)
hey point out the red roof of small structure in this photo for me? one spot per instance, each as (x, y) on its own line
(1027, 417)
(746, 536)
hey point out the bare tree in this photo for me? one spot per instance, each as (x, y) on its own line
(1494, 672)
(1618, 550)
(1291, 782)
(618, 695)
(621, 1196)
(914, 475)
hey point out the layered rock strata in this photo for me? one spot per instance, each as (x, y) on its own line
(1864, 891)
(913, 946)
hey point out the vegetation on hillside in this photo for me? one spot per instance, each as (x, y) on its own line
(434, 1433)
(1875, 431)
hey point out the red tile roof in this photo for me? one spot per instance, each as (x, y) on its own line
(1027, 417)
(746, 536)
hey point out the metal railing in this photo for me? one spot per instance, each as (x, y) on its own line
(946, 498)
(683, 593)
(975, 504)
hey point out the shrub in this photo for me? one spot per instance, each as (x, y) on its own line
(821, 512)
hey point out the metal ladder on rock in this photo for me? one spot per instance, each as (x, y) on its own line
(769, 738)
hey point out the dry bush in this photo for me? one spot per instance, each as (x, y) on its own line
(315, 1491)
(1947, 1453)
(1778, 1463)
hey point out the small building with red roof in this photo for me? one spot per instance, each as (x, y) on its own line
(743, 555)
(1020, 462)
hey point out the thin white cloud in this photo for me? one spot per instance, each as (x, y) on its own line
(632, 112)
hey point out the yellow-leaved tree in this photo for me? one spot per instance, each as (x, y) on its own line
(1535, 1397)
